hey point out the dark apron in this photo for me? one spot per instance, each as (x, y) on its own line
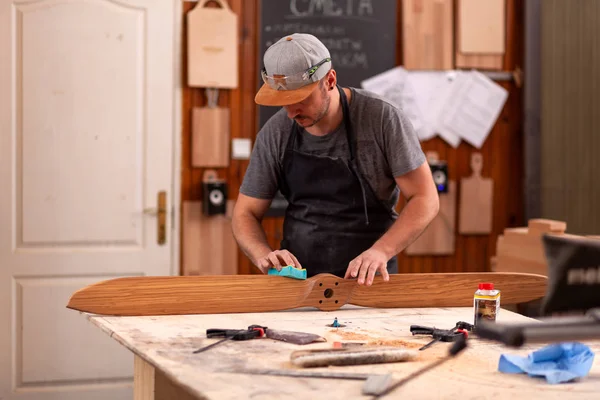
(333, 214)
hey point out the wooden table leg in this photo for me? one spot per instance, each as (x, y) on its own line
(143, 379)
(152, 384)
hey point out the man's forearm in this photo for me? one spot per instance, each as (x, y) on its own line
(415, 216)
(251, 238)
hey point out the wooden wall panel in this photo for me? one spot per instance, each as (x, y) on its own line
(240, 102)
(570, 123)
(502, 151)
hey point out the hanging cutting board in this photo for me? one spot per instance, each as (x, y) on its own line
(428, 34)
(209, 247)
(483, 26)
(212, 46)
(439, 237)
(210, 134)
(481, 34)
(476, 196)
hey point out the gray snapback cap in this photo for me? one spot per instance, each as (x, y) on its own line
(291, 56)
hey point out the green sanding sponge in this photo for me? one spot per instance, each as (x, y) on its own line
(289, 272)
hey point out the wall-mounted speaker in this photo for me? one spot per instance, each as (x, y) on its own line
(439, 170)
(214, 194)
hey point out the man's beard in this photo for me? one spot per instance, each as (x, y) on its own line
(322, 113)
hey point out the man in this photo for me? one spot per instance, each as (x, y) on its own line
(340, 157)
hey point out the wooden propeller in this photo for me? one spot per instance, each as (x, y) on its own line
(171, 295)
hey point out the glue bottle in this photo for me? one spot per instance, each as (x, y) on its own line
(486, 303)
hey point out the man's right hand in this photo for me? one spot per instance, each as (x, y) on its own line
(277, 259)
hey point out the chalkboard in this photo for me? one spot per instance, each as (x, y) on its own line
(360, 35)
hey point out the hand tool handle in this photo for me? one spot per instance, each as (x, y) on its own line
(421, 330)
(252, 332)
(214, 332)
(232, 334)
(445, 335)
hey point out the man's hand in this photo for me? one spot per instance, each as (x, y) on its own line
(277, 259)
(366, 265)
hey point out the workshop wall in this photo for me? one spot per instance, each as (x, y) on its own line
(502, 151)
(569, 139)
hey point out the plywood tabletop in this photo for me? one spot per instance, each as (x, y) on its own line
(168, 342)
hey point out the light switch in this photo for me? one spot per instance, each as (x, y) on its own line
(241, 148)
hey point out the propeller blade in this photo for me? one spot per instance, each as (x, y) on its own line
(218, 294)
(447, 290)
(207, 294)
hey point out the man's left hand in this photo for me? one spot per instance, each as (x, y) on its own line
(366, 265)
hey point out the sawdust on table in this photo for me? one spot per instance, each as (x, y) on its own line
(433, 353)
(395, 343)
(347, 335)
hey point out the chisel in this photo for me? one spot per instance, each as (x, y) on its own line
(306, 374)
(374, 383)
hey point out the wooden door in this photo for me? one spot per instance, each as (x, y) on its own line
(86, 139)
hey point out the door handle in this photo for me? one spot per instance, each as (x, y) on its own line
(161, 212)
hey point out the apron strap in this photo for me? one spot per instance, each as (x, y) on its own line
(351, 137)
(348, 124)
(291, 144)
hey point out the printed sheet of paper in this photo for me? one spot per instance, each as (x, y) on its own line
(391, 85)
(476, 105)
(443, 92)
(455, 105)
(422, 87)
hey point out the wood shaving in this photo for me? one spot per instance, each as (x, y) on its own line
(351, 335)
(433, 353)
(395, 343)
(347, 335)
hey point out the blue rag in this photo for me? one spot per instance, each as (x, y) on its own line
(558, 363)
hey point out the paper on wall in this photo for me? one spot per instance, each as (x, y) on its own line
(388, 84)
(422, 86)
(413, 111)
(479, 101)
(455, 105)
(391, 85)
(444, 95)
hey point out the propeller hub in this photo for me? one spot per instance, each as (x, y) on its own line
(329, 292)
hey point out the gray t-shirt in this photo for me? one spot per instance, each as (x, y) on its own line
(387, 147)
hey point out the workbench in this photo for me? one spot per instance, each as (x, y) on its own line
(165, 366)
